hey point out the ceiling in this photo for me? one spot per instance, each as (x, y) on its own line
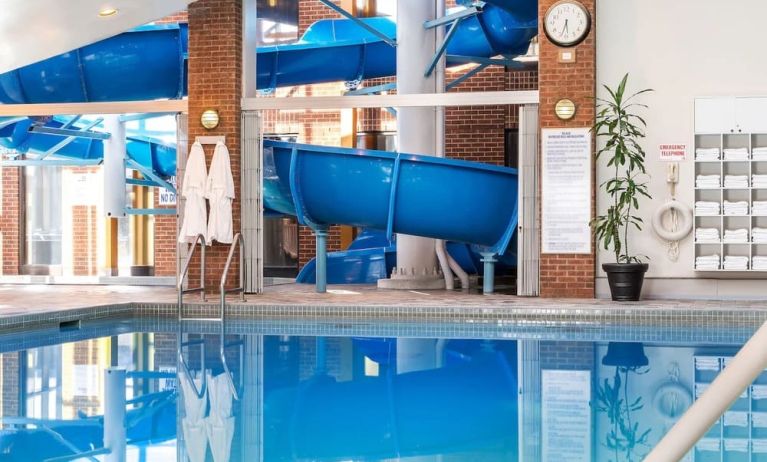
(33, 30)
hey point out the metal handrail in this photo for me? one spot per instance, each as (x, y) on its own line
(200, 392)
(185, 269)
(238, 241)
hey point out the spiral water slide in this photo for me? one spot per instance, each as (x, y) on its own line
(463, 202)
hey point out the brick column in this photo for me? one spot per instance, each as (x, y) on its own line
(568, 275)
(10, 219)
(215, 82)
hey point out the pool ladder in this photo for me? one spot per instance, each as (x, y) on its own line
(239, 241)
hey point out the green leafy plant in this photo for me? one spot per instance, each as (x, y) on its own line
(622, 129)
(624, 439)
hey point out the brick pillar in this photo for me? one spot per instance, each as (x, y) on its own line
(215, 82)
(568, 275)
(84, 240)
(164, 241)
(10, 219)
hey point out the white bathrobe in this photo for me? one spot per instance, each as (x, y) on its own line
(219, 190)
(193, 190)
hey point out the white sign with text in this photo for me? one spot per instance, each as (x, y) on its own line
(566, 416)
(566, 191)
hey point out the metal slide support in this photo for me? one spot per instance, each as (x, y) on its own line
(69, 132)
(321, 260)
(68, 140)
(367, 27)
(148, 173)
(372, 90)
(459, 15)
(114, 414)
(185, 269)
(510, 63)
(466, 76)
(488, 275)
(744, 368)
(442, 47)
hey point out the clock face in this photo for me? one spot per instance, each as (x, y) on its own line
(567, 23)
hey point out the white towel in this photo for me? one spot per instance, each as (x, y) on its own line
(707, 235)
(707, 154)
(736, 154)
(759, 155)
(735, 262)
(735, 236)
(736, 181)
(759, 263)
(707, 208)
(707, 181)
(735, 208)
(707, 262)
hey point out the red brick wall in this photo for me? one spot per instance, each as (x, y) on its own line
(567, 275)
(10, 219)
(84, 240)
(215, 81)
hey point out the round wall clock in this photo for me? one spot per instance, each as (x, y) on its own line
(567, 23)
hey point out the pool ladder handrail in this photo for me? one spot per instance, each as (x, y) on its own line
(238, 242)
(185, 269)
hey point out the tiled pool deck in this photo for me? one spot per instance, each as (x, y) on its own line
(26, 306)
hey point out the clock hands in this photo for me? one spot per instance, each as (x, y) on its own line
(565, 29)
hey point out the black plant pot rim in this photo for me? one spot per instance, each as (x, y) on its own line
(625, 267)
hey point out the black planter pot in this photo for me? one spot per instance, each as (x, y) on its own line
(625, 280)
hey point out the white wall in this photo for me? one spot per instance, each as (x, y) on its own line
(683, 49)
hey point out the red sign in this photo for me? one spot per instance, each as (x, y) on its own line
(672, 152)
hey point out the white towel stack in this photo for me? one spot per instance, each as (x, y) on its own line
(759, 263)
(759, 235)
(759, 153)
(706, 363)
(706, 208)
(736, 208)
(708, 154)
(709, 445)
(737, 444)
(735, 262)
(760, 391)
(736, 181)
(708, 181)
(758, 446)
(759, 181)
(737, 236)
(736, 154)
(707, 263)
(707, 235)
(759, 208)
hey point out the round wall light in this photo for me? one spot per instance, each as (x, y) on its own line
(209, 119)
(564, 109)
(107, 12)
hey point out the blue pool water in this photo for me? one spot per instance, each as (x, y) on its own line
(353, 391)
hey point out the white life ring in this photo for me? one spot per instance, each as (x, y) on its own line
(685, 226)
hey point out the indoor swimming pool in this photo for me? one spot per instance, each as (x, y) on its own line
(348, 391)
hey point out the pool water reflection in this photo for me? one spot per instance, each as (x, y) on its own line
(289, 398)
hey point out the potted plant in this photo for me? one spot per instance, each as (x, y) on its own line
(622, 129)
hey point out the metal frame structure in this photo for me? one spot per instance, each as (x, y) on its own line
(480, 98)
(357, 21)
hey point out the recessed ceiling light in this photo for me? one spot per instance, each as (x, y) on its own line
(107, 12)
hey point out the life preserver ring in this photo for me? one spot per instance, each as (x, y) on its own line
(685, 225)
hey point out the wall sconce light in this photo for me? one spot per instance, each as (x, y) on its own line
(209, 119)
(565, 109)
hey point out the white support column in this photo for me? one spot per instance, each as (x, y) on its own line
(114, 414)
(416, 132)
(114, 167)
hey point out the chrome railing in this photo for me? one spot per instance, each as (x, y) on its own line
(185, 269)
(238, 242)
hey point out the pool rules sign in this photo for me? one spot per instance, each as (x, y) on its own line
(566, 191)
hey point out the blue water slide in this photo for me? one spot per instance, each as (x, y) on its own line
(153, 154)
(426, 196)
(143, 64)
(504, 28)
